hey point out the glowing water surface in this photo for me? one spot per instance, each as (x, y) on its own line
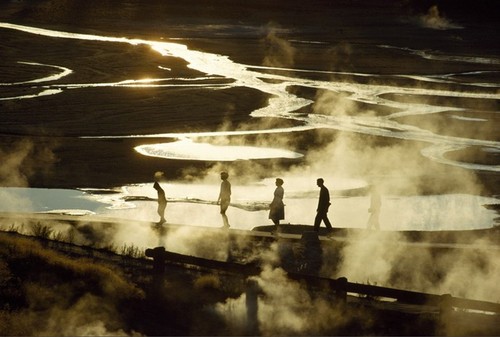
(189, 150)
(283, 103)
(63, 72)
(194, 204)
(44, 200)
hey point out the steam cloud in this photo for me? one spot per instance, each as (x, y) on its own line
(279, 52)
(13, 170)
(434, 20)
(377, 258)
(89, 316)
(284, 307)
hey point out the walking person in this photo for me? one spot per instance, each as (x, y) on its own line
(277, 207)
(224, 197)
(323, 205)
(374, 210)
(162, 199)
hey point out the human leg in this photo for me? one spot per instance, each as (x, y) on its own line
(161, 212)
(224, 205)
(317, 222)
(225, 220)
(327, 222)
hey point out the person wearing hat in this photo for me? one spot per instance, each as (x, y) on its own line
(277, 207)
(224, 197)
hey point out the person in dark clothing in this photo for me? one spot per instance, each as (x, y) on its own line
(323, 205)
(277, 207)
(162, 200)
(224, 197)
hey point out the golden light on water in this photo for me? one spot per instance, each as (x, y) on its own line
(130, 103)
(283, 104)
(187, 149)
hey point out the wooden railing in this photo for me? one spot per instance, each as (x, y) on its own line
(341, 287)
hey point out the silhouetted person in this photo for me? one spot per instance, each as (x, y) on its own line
(162, 200)
(277, 207)
(375, 204)
(224, 197)
(323, 205)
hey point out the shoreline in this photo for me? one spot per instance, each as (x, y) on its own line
(485, 238)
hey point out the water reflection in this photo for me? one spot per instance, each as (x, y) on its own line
(46, 92)
(62, 201)
(64, 72)
(444, 212)
(195, 205)
(283, 104)
(188, 150)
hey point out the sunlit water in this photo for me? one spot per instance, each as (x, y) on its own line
(188, 150)
(282, 103)
(194, 204)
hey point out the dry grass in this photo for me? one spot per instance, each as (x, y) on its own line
(35, 280)
(131, 250)
(109, 279)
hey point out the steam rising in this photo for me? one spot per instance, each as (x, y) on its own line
(23, 159)
(352, 132)
(89, 316)
(278, 51)
(434, 20)
(384, 258)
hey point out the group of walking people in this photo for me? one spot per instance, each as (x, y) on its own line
(276, 207)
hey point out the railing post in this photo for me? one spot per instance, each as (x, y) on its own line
(445, 306)
(158, 255)
(341, 290)
(445, 310)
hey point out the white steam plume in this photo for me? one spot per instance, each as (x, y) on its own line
(279, 52)
(434, 20)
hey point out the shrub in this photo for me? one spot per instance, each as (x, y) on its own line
(41, 231)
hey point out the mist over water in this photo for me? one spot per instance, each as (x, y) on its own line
(348, 102)
(328, 113)
(419, 122)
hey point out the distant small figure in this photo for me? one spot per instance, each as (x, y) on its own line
(277, 207)
(374, 210)
(323, 205)
(162, 200)
(224, 197)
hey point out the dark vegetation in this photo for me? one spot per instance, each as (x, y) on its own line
(45, 291)
(52, 287)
